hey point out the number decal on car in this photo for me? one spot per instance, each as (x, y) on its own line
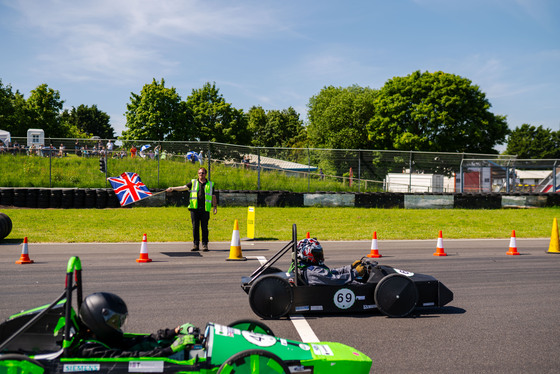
(344, 298)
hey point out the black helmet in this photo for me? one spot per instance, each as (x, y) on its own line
(310, 252)
(105, 314)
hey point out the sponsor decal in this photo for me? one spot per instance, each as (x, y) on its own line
(370, 306)
(316, 307)
(284, 342)
(360, 298)
(226, 331)
(145, 367)
(302, 308)
(304, 346)
(344, 298)
(76, 368)
(322, 350)
(404, 272)
(259, 339)
(429, 304)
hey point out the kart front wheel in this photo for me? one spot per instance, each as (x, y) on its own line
(16, 363)
(254, 361)
(252, 325)
(396, 295)
(271, 297)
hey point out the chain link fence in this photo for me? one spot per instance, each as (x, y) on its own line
(289, 169)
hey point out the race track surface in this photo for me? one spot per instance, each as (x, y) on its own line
(503, 319)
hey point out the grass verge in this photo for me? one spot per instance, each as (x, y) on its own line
(171, 224)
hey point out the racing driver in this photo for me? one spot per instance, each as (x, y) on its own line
(104, 314)
(314, 271)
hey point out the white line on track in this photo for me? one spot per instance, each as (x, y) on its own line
(305, 331)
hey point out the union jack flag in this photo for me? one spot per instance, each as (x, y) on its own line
(129, 188)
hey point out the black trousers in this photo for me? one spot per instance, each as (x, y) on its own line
(199, 219)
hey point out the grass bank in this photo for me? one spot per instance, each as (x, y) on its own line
(79, 172)
(170, 224)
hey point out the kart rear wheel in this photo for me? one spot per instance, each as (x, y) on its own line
(254, 361)
(271, 297)
(396, 295)
(252, 325)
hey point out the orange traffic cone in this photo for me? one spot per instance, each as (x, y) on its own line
(235, 248)
(24, 258)
(374, 253)
(307, 236)
(512, 245)
(439, 250)
(144, 251)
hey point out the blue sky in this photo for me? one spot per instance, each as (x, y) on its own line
(278, 54)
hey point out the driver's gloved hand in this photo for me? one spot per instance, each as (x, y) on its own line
(361, 270)
(181, 342)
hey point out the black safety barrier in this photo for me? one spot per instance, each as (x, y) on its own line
(80, 198)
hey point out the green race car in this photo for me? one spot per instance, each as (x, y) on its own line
(42, 340)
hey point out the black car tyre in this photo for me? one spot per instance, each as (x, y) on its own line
(252, 325)
(271, 297)
(5, 226)
(396, 295)
(254, 361)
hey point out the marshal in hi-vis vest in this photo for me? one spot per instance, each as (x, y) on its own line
(193, 200)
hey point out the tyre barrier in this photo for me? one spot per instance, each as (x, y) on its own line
(67, 201)
(90, 198)
(101, 199)
(79, 198)
(7, 197)
(32, 197)
(56, 199)
(44, 199)
(20, 197)
(5, 226)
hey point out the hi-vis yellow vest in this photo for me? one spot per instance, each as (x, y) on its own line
(193, 200)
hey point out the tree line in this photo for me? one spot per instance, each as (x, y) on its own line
(432, 112)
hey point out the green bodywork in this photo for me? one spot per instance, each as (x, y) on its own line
(221, 344)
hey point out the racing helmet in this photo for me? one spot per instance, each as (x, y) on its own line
(105, 314)
(310, 252)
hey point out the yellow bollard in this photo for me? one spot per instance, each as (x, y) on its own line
(553, 247)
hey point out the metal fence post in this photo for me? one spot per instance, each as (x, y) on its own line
(554, 176)
(359, 170)
(308, 171)
(258, 169)
(410, 173)
(50, 164)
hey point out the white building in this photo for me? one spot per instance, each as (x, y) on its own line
(35, 137)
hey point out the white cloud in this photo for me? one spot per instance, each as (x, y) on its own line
(108, 40)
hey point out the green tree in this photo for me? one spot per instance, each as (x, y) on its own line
(274, 128)
(530, 142)
(90, 121)
(214, 119)
(436, 112)
(338, 117)
(44, 107)
(157, 113)
(12, 111)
